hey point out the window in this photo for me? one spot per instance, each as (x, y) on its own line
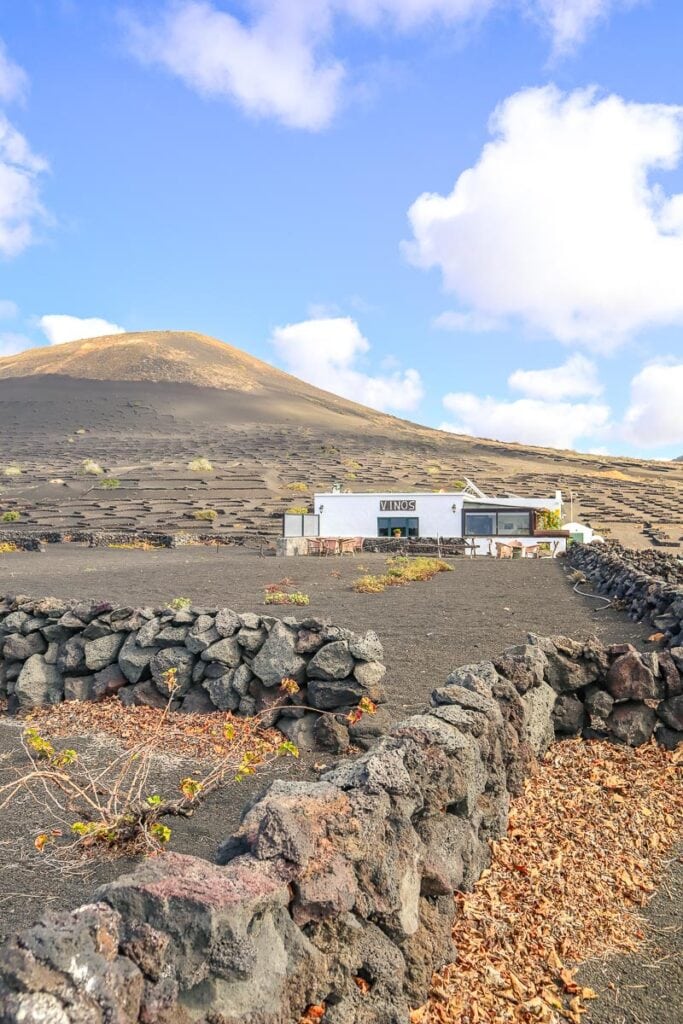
(498, 523)
(397, 527)
(301, 526)
(516, 523)
(480, 524)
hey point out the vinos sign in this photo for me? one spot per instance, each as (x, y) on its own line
(398, 505)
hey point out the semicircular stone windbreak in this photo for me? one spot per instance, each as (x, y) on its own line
(53, 650)
(338, 894)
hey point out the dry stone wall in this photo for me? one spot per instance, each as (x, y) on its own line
(35, 540)
(616, 692)
(416, 545)
(336, 893)
(648, 584)
(53, 650)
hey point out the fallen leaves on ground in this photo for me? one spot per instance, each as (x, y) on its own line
(201, 737)
(586, 844)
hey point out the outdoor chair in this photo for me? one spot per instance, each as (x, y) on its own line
(315, 546)
(330, 546)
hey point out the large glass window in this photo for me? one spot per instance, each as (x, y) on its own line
(499, 523)
(397, 527)
(480, 524)
(516, 523)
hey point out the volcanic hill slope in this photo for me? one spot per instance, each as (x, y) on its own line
(145, 405)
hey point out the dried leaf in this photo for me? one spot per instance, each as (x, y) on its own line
(542, 906)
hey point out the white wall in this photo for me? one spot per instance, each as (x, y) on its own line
(355, 515)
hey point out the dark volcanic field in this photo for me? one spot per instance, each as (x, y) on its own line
(262, 443)
(427, 629)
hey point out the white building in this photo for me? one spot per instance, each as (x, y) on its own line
(490, 525)
(582, 534)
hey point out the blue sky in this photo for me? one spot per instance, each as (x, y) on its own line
(467, 212)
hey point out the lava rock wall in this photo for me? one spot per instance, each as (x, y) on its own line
(615, 693)
(53, 650)
(647, 584)
(336, 894)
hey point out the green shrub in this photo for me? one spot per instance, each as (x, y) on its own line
(548, 519)
(369, 585)
(136, 545)
(11, 516)
(299, 486)
(179, 604)
(297, 510)
(280, 597)
(12, 471)
(401, 570)
(110, 483)
(205, 514)
(200, 465)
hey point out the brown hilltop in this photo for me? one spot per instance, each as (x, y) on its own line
(143, 405)
(179, 357)
(185, 360)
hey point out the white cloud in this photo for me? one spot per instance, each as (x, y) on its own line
(526, 420)
(325, 352)
(408, 15)
(477, 323)
(278, 61)
(13, 79)
(569, 21)
(269, 67)
(59, 327)
(576, 378)
(11, 343)
(20, 206)
(560, 223)
(655, 413)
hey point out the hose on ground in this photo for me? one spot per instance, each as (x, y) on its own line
(597, 597)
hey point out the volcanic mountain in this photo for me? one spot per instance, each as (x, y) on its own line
(236, 387)
(144, 406)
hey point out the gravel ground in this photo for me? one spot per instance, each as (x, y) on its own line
(645, 987)
(427, 629)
